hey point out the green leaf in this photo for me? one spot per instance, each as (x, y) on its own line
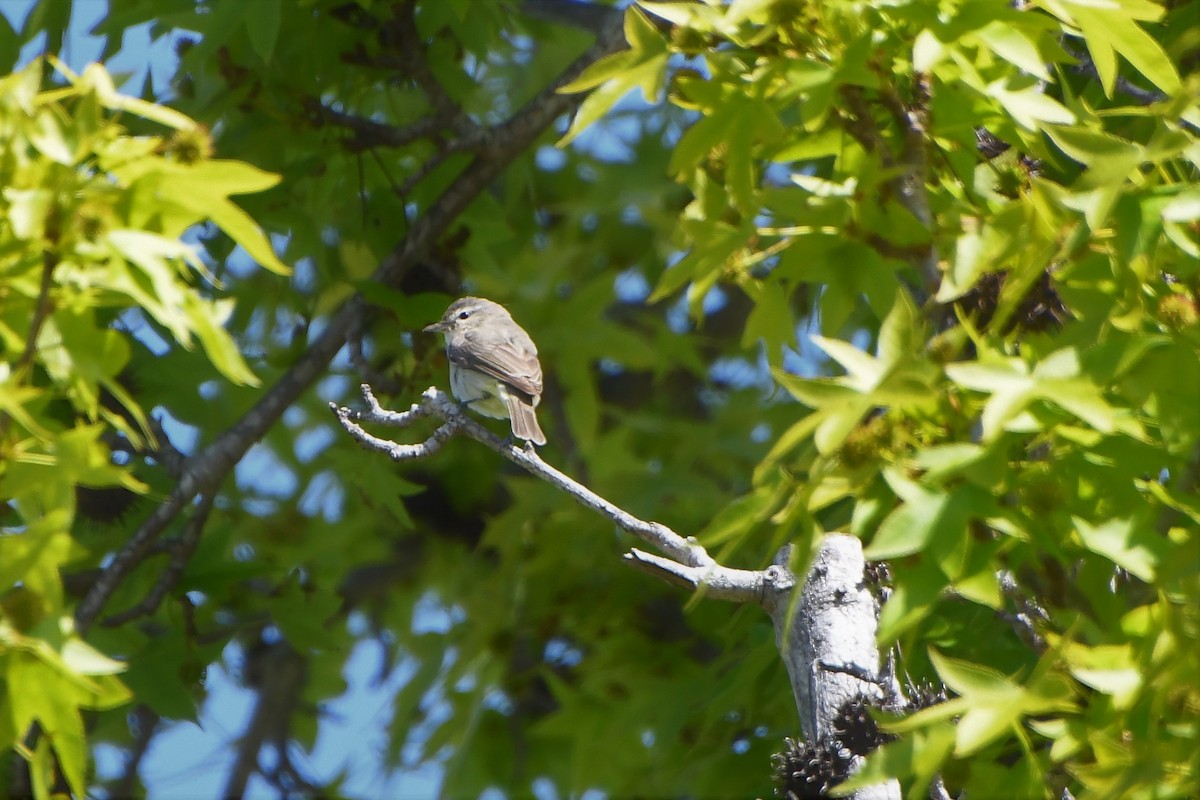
(207, 320)
(262, 26)
(81, 657)
(901, 337)
(982, 250)
(863, 370)
(689, 15)
(643, 65)
(771, 320)
(914, 597)
(96, 78)
(1137, 548)
(1109, 158)
(1029, 107)
(707, 256)
(243, 230)
(1111, 669)
(218, 177)
(1108, 29)
(920, 755)
(1013, 45)
(911, 527)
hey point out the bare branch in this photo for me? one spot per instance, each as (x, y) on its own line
(181, 550)
(937, 789)
(717, 582)
(1087, 66)
(434, 402)
(208, 469)
(143, 724)
(826, 635)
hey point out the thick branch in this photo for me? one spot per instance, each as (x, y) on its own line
(826, 636)
(207, 470)
(279, 674)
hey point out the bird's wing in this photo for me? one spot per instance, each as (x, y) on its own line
(512, 360)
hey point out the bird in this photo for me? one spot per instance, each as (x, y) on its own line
(494, 368)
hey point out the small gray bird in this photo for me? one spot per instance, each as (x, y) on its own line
(494, 366)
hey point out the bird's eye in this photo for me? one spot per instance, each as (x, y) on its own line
(464, 314)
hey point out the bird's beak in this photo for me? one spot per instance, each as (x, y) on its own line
(437, 327)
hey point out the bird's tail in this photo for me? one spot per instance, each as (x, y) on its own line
(524, 420)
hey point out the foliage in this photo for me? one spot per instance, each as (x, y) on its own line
(932, 279)
(1059, 443)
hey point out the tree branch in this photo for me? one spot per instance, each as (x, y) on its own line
(909, 185)
(826, 637)
(143, 723)
(591, 17)
(687, 552)
(207, 470)
(40, 312)
(181, 550)
(279, 674)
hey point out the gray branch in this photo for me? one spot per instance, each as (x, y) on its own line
(826, 634)
(685, 551)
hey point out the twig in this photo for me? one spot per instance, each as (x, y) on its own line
(719, 583)
(689, 565)
(367, 133)
(144, 724)
(1088, 67)
(40, 311)
(412, 50)
(165, 453)
(1029, 614)
(181, 550)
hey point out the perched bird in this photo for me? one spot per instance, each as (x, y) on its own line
(494, 367)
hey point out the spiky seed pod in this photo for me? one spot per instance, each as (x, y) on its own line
(1178, 311)
(877, 573)
(924, 694)
(807, 772)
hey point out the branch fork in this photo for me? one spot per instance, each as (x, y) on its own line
(685, 561)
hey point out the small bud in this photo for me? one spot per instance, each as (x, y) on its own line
(189, 146)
